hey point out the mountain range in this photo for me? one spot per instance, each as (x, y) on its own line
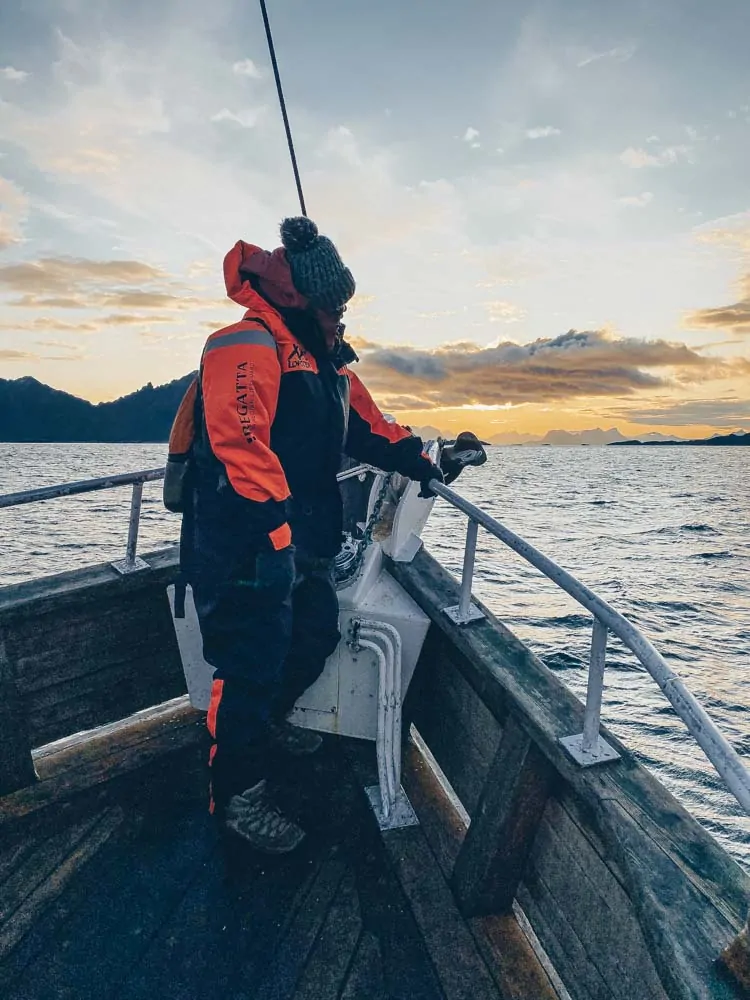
(595, 436)
(559, 438)
(33, 411)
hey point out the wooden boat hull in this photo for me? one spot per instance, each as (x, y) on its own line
(626, 892)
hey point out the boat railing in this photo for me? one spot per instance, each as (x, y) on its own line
(131, 562)
(586, 748)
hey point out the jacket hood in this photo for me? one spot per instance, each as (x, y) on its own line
(272, 273)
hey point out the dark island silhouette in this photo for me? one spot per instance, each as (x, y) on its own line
(735, 438)
(33, 411)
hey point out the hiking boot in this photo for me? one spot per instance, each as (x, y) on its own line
(293, 740)
(253, 817)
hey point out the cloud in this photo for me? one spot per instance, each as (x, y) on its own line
(46, 324)
(620, 54)
(64, 345)
(217, 324)
(694, 134)
(12, 74)
(8, 355)
(734, 317)
(33, 357)
(500, 311)
(408, 403)
(248, 118)
(53, 302)
(734, 232)
(724, 412)
(637, 200)
(573, 365)
(130, 319)
(359, 301)
(88, 160)
(131, 129)
(471, 134)
(82, 284)
(150, 300)
(173, 170)
(542, 132)
(95, 115)
(13, 210)
(639, 158)
(246, 67)
(438, 314)
(68, 275)
(74, 351)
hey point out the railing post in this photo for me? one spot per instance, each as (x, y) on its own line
(595, 686)
(467, 573)
(588, 747)
(131, 563)
(465, 611)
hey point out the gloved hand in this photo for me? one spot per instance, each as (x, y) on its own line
(466, 450)
(434, 473)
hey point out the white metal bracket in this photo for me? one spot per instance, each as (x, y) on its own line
(600, 753)
(473, 614)
(125, 566)
(401, 815)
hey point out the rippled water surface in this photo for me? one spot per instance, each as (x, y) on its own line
(663, 534)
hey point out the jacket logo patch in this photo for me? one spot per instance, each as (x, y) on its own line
(298, 358)
(245, 400)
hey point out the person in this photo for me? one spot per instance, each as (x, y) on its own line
(274, 407)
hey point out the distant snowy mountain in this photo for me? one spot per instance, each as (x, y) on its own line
(428, 433)
(514, 437)
(569, 439)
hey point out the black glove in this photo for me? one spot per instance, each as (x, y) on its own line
(467, 450)
(434, 473)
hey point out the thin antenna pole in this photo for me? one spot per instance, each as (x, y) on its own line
(282, 104)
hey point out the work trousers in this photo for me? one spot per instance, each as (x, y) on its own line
(269, 620)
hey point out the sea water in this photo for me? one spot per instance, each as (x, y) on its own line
(661, 533)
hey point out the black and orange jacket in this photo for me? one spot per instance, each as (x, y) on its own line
(274, 420)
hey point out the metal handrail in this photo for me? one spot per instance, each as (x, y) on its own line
(589, 748)
(131, 562)
(586, 748)
(82, 486)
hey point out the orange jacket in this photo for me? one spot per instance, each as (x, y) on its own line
(276, 420)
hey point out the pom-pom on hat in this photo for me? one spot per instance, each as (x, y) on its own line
(317, 270)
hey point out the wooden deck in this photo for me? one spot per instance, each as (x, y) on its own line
(113, 882)
(125, 890)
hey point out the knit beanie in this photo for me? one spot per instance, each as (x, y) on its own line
(317, 270)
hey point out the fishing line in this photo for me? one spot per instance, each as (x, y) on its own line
(282, 105)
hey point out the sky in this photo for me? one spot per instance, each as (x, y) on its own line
(545, 205)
